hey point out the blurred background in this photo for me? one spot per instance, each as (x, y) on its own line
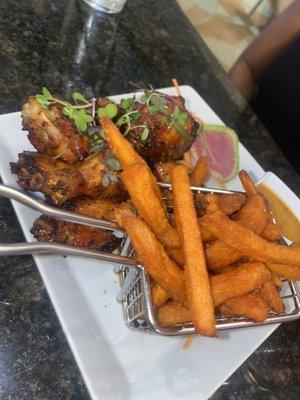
(229, 26)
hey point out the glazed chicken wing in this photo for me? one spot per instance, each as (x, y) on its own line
(165, 142)
(60, 181)
(54, 134)
(47, 229)
(50, 132)
(97, 207)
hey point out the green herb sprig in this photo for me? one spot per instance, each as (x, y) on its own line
(179, 119)
(127, 104)
(113, 164)
(108, 177)
(97, 138)
(110, 111)
(127, 119)
(75, 112)
(155, 102)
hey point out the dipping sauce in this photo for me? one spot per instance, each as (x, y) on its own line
(287, 220)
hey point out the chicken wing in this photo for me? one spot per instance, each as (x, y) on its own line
(60, 181)
(47, 229)
(165, 141)
(50, 132)
(97, 207)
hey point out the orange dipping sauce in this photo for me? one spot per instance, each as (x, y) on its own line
(287, 220)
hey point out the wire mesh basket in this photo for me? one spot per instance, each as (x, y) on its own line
(140, 313)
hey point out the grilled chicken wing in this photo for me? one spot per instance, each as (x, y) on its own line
(164, 142)
(60, 181)
(97, 207)
(50, 132)
(47, 229)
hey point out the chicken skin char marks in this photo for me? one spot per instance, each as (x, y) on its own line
(60, 181)
(52, 133)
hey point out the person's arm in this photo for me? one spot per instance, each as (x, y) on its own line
(275, 38)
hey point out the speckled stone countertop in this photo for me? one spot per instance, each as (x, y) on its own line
(63, 46)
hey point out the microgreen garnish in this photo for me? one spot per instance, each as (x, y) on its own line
(145, 133)
(178, 120)
(79, 97)
(45, 99)
(128, 117)
(75, 112)
(127, 104)
(113, 164)
(180, 116)
(155, 102)
(97, 138)
(107, 178)
(81, 119)
(110, 111)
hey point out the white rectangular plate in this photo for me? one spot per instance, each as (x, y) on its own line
(115, 361)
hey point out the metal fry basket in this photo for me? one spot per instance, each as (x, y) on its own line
(140, 314)
(135, 293)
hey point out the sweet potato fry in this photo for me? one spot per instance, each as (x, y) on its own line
(247, 183)
(242, 280)
(291, 272)
(138, 182)
(219, 254)
(124, 151)
(276, 280)
(271, 232)
(206, 236)
(212, 204)
(249, 306)
(153, 256)
(177, 255)
(270, 295)
(237, 281)
(196, 276)
(254, 214)
(228, 268)
(173, 313)
(230, 203)
(226, 202)
(118, 145)
(199, 172)
(248, 242)
(159, 295)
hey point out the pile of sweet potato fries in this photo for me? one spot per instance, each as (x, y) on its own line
(223, 259)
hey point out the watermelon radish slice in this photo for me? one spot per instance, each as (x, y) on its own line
(220, 145)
